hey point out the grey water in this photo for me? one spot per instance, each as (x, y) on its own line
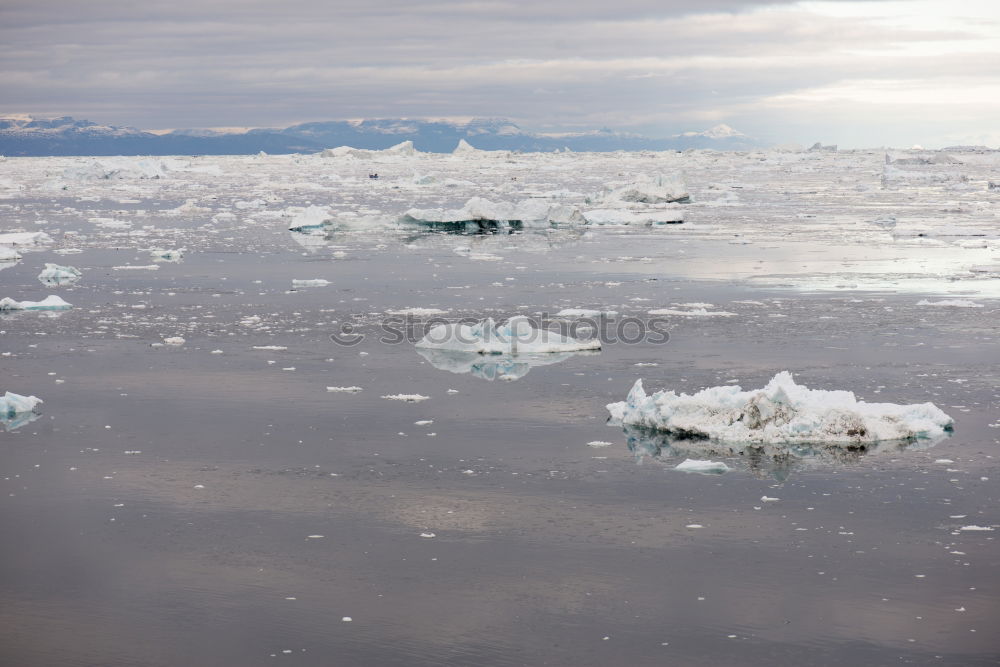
(176, 505)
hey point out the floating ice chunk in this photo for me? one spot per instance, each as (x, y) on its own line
(782, 412)
(952, 303)
(310, 218)
(51, 302)
(703, 467)
(310, 282)
(599, 443)
(975, 528)
(24, 238)
(17, 410)
(9, 254)
(53, 274)
(344, 390)
(136, 267)
(624, 216)
(174, 340)
(408, 398)
(269, 347)
(121, 169)
(166, 255)
(563, 214)
(655, 189)
(516, 336)
(586, 312)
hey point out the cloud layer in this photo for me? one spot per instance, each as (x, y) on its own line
(861, 73)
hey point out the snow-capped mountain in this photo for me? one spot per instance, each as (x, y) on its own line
(67, 136)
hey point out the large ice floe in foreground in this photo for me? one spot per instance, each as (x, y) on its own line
(782, 413)
(516, 336)
(51, 302)
(17, 410)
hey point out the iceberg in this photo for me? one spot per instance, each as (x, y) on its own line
(166, 255)
(703, 467)
(516, 336)
(622, 216)
(51, 302)
(55, 275)
(654, 189)
(783, 412)
(24, 238)
(9, 254)
(311, 218)
(17, 410)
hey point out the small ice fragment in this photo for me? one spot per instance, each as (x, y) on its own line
(427, 535)
(174, 340)
(694, 525)
(418, 312)
(943, 461)
(311, 282)
(276, 348)
(765, 499)
(702, 467)
(344, 390)
(315, 537)
(424, 422)
(216, 352)
(987, 528)
(599, 443)
(51, 302)
(409, 398)
(347, 619)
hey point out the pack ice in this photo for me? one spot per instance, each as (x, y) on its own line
(515, 336)
(783, 412)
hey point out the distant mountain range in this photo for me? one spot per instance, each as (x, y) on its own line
(25, 136)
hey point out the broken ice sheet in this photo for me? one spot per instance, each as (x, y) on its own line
(494, 366)
(516, 336)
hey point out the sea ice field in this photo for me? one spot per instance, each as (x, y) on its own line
(381, 408)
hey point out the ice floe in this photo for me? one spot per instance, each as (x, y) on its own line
(24, 238)
(54, 274)
(783, 412)
(310, 282)
(51, 302)
(951, 303)
(518, 335)
(17, 410)
(9, 254)
(505, 367)
(702, 467)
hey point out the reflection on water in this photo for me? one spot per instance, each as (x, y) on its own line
(775, 461)
(493, 366)
(17, 420)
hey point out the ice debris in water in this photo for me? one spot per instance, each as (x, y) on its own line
(585, 312)
(174, 340)
(516, 336)
(310, 282)
(408, 398)
(782, 412)
(505, 367)
(953, 303)
(703, 467)
(344, 390)
(652, 189)
(17, 410)
(53, 274)
(166, 255)
(24, 238)
(9, 254)
(51, 302)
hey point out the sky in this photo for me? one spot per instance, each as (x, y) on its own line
(855, 73)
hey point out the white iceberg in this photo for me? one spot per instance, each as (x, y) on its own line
(17, 410)
(783, 412)
(672, 215)
(9, 254)
(54, 274)
(167, 255)
(24, 238)
(51, 302)
(703, 467)
(311, 218)
(516, 336)
(654, 189)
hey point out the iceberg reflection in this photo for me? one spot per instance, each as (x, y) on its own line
(493, 366)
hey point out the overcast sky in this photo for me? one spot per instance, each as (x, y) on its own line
(857, 73)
